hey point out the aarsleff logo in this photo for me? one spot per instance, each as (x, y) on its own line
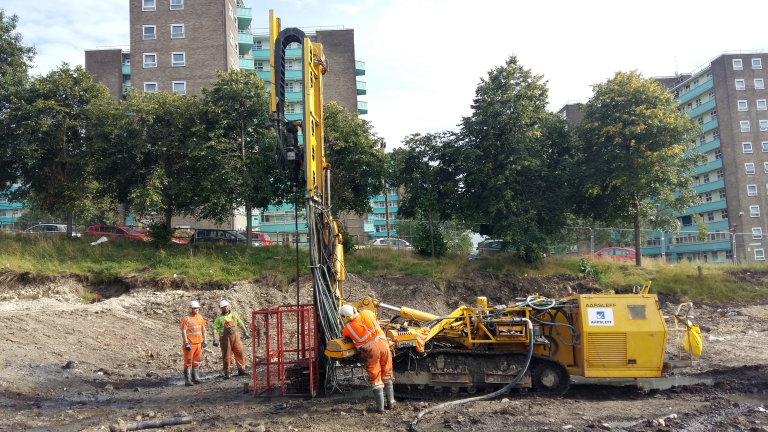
(600, 317)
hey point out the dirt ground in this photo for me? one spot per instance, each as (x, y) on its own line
(68, 366)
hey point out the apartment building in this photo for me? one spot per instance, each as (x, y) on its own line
(727, 97)
(9, 211)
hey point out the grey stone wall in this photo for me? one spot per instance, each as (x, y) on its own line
(106, 68)
(339, 83)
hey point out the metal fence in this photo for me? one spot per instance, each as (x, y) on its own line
(285, 351)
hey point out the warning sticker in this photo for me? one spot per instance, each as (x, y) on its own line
(600, 317)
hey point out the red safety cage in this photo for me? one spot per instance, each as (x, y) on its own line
(285, 351)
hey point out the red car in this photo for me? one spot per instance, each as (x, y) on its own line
(261, 237)
(124, 232)
(617, 253)
(115, 231)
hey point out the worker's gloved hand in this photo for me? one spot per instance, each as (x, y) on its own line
(246, 336)
(215, 343)
(205, 343)
(188, 347)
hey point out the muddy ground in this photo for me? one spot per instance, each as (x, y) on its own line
(70, 366)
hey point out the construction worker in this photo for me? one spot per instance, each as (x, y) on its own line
(363, 328)
(225, 325)
(194, 337)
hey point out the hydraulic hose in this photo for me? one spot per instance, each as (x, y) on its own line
(499, 392)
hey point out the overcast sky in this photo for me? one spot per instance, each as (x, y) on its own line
(424, 58)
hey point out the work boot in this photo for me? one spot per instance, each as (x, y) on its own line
(389, 392)
(187, 381)
(241, 372)
(195, 376)
(226, 374)
(378, 398)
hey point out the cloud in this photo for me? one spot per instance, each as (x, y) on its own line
(349, 9)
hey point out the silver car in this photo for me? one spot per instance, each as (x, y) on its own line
(391, 242)
(50, 229)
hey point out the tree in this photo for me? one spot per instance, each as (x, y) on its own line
(634, 166)
(241, 149)
(424, 167)
(162, 131)
(15, 62)
(357, 164)
(54, 122)
(515, 162)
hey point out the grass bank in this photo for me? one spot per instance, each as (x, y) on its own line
(224, 264)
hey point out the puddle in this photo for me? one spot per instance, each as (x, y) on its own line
(756, 399)
(646, 383)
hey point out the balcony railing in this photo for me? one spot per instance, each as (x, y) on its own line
(244, 17)
(361, 90)
(359, 68)
(694, 238)
(701, 109)
(362, 107)
(699, 89)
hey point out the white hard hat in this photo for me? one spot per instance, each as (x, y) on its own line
(347, 311)
(223, 303)
(194, 304)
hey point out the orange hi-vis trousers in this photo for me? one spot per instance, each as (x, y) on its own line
(194, 357)
(378, 363)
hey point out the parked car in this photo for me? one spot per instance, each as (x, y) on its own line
(486, 248)
(391, 242)
(617, 253)
(146, 232)
(115, 231)
(219, 236)
(51, 229)
(260, 237)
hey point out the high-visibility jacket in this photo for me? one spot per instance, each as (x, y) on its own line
(193, 327)
(363, 329)
(232, 319)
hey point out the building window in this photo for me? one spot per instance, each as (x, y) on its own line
(259, 45)
(737, 64)
(763, 125)
(710, 216)
(757, 63)
(149, 32)
(698, 102)
(150, 86)
(722, 194)
(180, 87)
(701, 120)
(728, 255)
(719, 174)
(759, 84)
(759, 254)
(716, 134)
(696, 181)
(178, 59)
(231, 38)
(740, 85)
(742, 104)
(706, 178)
(724, 214)
(751, 190)
(148, 5)
(177, 31)
(231, 15)
(708, 197)
(711, 95)
(702, 140)
(259, 66)
(232, 63)
(712, 115)
(150, 60)
(765, 146)
(718, 154)
(757, 233)
(749, 167)
(747, 147)
(754, 211)
(177, 4)
(761, 106)
(744, 125)
(765, 165)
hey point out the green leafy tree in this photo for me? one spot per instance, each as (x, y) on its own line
(357, 164)
(516, 159)
(162, 131)
(239, 158)
(635, 167)
(424, 167)
(53, 161)
(15, 61)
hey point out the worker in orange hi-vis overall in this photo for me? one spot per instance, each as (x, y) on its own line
(363, 328)
(193, 335)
